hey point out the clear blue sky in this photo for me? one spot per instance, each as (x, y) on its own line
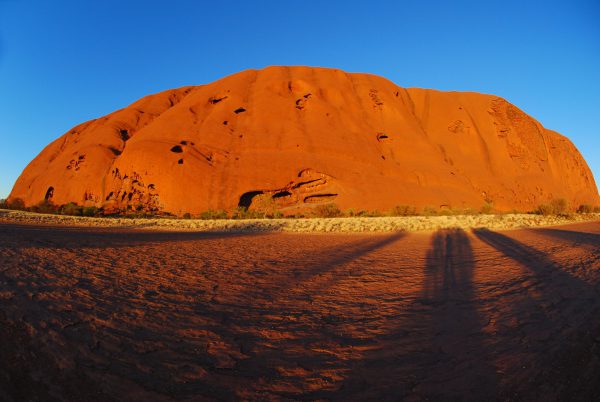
(65, 62)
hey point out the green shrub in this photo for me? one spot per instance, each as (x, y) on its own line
(90, 211)
(71, 209)
(187, 215)
(44, 207)
(134, 215)
(487, 208)
(211, 214)
(403, 210)
(221, 214)
(585, 209)
(369, 214)
(429, 211)
(557, 206)
(243, 213)
(238, 213)
(327, 211)
(543, 209)
(16, 203)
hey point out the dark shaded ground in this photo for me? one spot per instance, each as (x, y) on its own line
(99, 314)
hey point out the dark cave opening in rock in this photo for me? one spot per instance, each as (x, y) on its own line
(246, 198)
(49, 193)
(281, 194)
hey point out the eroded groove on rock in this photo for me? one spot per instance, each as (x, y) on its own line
(320, 198)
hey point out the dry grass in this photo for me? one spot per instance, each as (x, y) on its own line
(338, 224)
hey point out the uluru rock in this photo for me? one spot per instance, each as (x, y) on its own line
(296, 137)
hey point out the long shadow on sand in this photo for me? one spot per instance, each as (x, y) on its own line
(435, 350)
(534, 260)
(282, 308)
(210, 347)
(574, 237)
(259, 337)
(28, 236)
(463, 369)
(302, 270)
(554, 320)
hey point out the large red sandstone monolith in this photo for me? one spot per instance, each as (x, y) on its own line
(296, 137)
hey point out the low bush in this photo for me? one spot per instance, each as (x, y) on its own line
(429, 211)
(369, 214)
(71, 209)
(90, 211)
(276, 215)
(557, 206)
(210, 214)
(244, 213)
(77, 210)
(327, 211)
(44, 207)
(403, 210)
(585, 209)
(487, 208)
(16, 203)
(134, 215)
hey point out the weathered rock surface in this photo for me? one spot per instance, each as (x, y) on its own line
(294, 137)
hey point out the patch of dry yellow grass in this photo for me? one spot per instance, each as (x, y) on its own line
(355, 224)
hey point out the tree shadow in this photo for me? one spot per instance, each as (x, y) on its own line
(574, 237)
(265, 336)
(222, 338)
(284, 304)
(434, 349)
(554, 315)
(534, 260)
(302, 269)
(60, 237)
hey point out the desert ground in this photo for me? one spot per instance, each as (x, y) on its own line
(464, 313)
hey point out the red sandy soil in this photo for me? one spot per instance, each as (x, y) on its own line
(106, 314)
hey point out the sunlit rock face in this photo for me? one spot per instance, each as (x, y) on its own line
(291, 138)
